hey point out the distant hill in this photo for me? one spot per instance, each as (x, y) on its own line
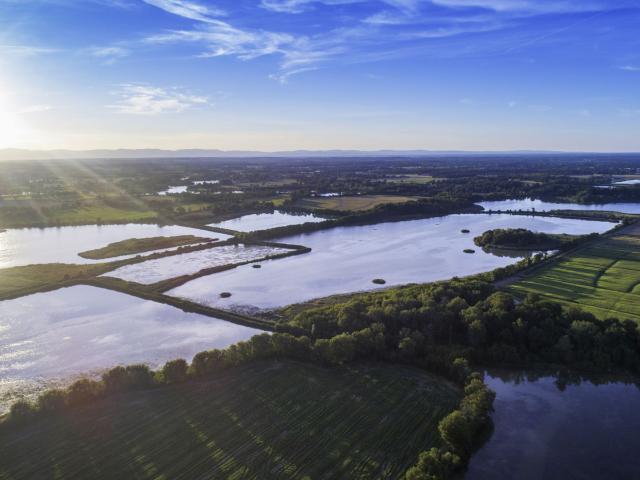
(20, 154)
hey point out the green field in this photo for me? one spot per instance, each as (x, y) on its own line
(417, 179)
(602, 278)
(359, 203)
(264, 420)
(141, 245)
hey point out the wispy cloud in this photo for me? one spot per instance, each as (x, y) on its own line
(188, 9)
(142, 99)
(387, 28)
(25, 50)
(34, 109)
(110, 54)
(630, 68)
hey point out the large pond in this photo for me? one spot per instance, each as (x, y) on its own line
(529, 204)
(153, 271)
(264, 221)
(543, 432)
(50, 337)
(63, 244)
(347, 259)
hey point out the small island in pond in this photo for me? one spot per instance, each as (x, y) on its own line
(141, 245)
(379, 281)
(523, 239)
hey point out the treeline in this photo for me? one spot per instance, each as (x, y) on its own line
(523, 239)
(440, 321)
(426, 207)
(460, 432)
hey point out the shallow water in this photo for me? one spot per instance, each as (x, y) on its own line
(541, 432)
(63, 244)
(188, 263)
(264, 221)
(51, 336)
(347, 259)
(174, 190)
(542, 206)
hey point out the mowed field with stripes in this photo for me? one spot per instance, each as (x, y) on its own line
(277, 420)
(602, 277)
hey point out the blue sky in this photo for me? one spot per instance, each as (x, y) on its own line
(292, 74)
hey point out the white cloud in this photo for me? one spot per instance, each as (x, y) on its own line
(141, 99)
(110, 55)
(188, 9)
(630, 68)
(25, 50)
(35, 109)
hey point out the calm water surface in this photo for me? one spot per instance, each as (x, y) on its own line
(188, 263)
(542, 206)
(48, 337)
(544, 433)
(347, 259)
(264, 221)
(63, 244)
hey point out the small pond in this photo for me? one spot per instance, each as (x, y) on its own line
(529, 204)
(347, 259)
(153, 271)
(264, 221)
(175, 190)
(49, 337)
(63, 244)
(543, 432)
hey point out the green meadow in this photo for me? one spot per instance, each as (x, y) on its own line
(602, 278)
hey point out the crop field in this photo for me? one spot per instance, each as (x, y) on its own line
(352, 204)
(417, 179)
(602, 278)
(265, 420)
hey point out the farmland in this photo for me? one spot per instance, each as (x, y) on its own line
(264, 420)
(602, 277)
(359, 203)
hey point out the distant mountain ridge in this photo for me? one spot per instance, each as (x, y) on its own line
(23, 154)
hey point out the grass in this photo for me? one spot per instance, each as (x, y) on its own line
(264, 420)
(352, 204)
(141, 245)
(18, 281)
(416, 179)
(602, 278)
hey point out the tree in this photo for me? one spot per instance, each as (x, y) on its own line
(175, 371)
(456, 431)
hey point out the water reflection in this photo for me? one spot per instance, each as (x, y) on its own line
(48, 337)
(347, 259)
(264, 221)
(529, 204)
(559, 425)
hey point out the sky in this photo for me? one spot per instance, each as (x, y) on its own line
(320, 74)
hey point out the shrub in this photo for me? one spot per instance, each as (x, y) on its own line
(52, 400)
(175, 371)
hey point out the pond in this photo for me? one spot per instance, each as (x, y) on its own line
(528, 204)
(174, 190)
(153, 271)
(545, 433)
(49, 337)
(264, 221)
(347, 259)
(63, 244)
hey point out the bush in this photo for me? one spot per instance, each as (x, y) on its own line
(84, 391)
(52, 401)
(22, 411)
(175, 371)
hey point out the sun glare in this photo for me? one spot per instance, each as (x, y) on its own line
(14, 130)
